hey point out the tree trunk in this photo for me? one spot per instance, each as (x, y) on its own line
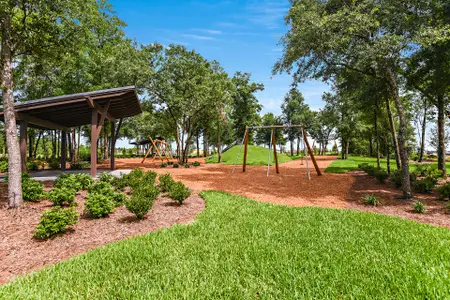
(378, 137)
(343, 144)
(292, 146)
(298, 146)
(37, 144)
(441, 134)
(6, 80)
(198, 144)
(346, 148)
(388, 158)
(205, 145)
(424, 129)
(53, 144)
(78, 143)
(370, 147)
(403, 150)
(393, 133)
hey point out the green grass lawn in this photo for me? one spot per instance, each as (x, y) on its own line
(242, 249)
(351, 164)
(256, 156)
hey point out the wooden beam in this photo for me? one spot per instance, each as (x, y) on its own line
(90, 102)
(114, 135)
(23, 144)
(103, 113)
(311, 154)
(99, 109)
(39, 122)
(274, 143)
(244, 165)
(63, 150)
(94, 137)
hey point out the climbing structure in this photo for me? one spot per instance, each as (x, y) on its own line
(161, 150)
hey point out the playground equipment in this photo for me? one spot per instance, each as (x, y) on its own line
(273, 143)
(161, 148)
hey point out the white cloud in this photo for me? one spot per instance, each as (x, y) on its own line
(199, 37)
(208, 31)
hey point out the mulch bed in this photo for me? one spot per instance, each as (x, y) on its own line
(21, 253)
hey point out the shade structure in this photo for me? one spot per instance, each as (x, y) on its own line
(67, 111)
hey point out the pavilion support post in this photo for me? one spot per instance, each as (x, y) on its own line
(244, 166)
(274, 143)
(94, 138)
(63, 150)
(114, 136)
(23, 144)
(311, 154)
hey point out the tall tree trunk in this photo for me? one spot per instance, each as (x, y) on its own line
(343, 144)
(393, 133)
(30, 143)
(388, 157)
(78, 143)
(346, 148)
(403, 150)
(424, 129)
(6, 80)
(37, 144)
(370, 147)
(205, 144)
(441, 134)
(198, 144)
(298, 146)
(53, 144)
(378, 137)
(292, 146)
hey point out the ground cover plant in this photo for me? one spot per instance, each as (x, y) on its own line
(245, 249)
(257, 156)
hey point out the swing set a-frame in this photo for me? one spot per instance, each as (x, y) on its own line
(162, 150)
(307, 148)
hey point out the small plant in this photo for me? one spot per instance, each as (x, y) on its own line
(370, 200)
(84, 180)
(149, 178)
(381, 175)
(187, 165)
(170, 163)
(32, 190)
(141, 201)
(33, 165)
(444, 191)
(80, 165)
(98, 205)
(363, 166)
(419, 207)
(118, 199)
(62, 196)
(54, 164)
(55, 220)
(106, 177)
(164, 165)
(176, 165)
(165, 182)
(424, 185)
(68, 181)
(179, 192)
(102, 188)
(196, 164)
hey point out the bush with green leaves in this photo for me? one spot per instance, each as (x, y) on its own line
(98, 205)
(62, 196)
(363, 166)
(68, 181)
(396, 178)
(85, 180)
(196, 163)
(419, 207)
(425, 185)
(3, 166)
(102, 188)
(176, 165)
(141, 200)
(33, 165)
(54, 164)
(164, 165)
(32, 190)
(187, 165)
(106, 177)
(381, 175)
(370, 200)
(80, 165)
(444, 191)
(150, 177)
(427, 170)
(55, 220)
(179, 192)
(165, 182)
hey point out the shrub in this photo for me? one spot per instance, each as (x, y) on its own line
(54, 164)
(427, 170)
(424, 185)
(84, 180)
(68, 181)
(55, 220)
(187, 165)
(102, 188)
(363, 166)
(170, 163)
(444, 191)
(118, 199)
(141, 201)
(3, 166)
(371, 170)
(98, 205)
(149, 178)
(80, 165)
(176, 165)
(370, 200)
(136, 174)
(381, 175)
(164, 165)
(62, 196)
(106, 177)
(120, 183)
(419, 207)
(179, 192)
(396, 178)
(165, 182)
(196, 164)
(33, 165)
(32, 190)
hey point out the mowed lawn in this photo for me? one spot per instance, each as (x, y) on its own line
(256, 156)
(242, 249)
(351, 164)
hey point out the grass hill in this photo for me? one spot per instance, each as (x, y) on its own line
(256, 156)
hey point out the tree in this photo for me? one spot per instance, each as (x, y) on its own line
(42, 29)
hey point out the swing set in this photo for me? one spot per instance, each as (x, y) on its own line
(306, 148)
(162, 150)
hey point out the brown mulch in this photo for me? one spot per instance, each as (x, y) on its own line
(20, 253)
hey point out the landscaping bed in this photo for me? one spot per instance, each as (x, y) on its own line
(20, 252)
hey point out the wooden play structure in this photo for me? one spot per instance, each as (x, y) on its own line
(161, 147)
(307, 148)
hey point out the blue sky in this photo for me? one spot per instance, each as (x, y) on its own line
(241, 34)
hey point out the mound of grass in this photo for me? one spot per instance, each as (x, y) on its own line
(256, 156)
(243, 249)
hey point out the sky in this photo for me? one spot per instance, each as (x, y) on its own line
(242, 35)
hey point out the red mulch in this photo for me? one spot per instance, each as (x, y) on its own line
(20, 253)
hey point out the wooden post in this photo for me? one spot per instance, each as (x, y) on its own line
(23, 144)
(94, 137)
(311, 154)
(274, 143)
(245, 149)
(112, 148)
(63, 150)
